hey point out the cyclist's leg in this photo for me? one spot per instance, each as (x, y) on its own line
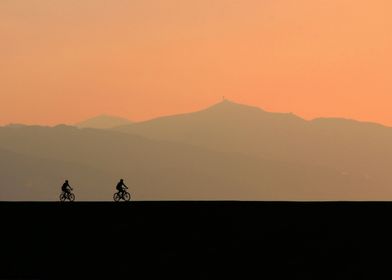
(122, 193)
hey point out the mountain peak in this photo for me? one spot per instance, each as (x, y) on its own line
(103, 122)
(228, 105)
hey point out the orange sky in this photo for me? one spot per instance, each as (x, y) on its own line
(62, 61)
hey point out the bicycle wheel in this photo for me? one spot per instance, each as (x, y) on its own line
(116, 197)
(127, 196)
(62, 197)
(71, 197)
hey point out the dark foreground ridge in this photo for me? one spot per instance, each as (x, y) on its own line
(196, 240)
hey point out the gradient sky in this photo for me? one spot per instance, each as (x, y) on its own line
(62, 61)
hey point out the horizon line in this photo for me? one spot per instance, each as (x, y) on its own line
(104, 114)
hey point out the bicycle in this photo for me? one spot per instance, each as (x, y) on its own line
(126, 196)
(67, 196)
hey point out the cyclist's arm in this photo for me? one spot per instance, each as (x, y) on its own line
(125, 186)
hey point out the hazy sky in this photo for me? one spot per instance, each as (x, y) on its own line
(62, 61)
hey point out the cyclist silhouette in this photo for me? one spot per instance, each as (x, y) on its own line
(66, 188)
(66, 192)
(121, 187)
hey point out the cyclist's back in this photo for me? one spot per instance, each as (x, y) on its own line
(66, 187)
(121, 186)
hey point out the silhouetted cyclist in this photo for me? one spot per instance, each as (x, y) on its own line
(66, 188)
(121, 187)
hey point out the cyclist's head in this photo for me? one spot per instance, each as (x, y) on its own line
(66, 181)
(121, 180)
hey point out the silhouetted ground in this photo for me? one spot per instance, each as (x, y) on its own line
(196, 240)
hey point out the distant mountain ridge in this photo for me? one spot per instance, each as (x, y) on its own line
(353, 147)
(227, 151)
(103, 122)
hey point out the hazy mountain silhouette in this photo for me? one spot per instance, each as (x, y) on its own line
(103, 122)
(357, 148)
(94, 160)
(228, 151)
(227, 127)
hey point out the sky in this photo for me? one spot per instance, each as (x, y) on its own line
(62, 61)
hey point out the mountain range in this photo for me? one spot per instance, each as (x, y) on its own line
(228, 151)
(103, 122)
